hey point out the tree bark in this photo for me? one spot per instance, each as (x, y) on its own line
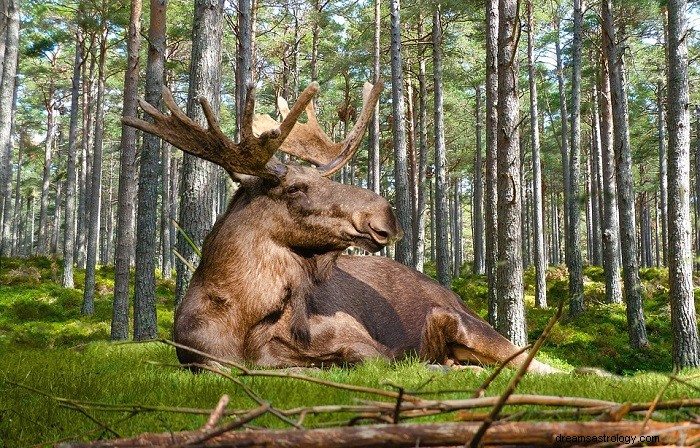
(422, 156)
(491, 190)
(145, 316)
(511, 306)
(408, 435)
(636, 327)
(479, 261)
(564, 117)
(404, 248)
(96, 176)
(67, 280)
(663, 171)
(127, 182)
(684, 324)
(198, 176)
(7, 104)
(537, 215)
(575, 263)
(374, 174)
(596, 183)
(441, 181)
(611, 230)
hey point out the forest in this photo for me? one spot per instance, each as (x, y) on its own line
(535, 154)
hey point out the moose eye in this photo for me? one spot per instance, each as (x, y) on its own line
(295, 189)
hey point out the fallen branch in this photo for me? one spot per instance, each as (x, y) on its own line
(543, 434)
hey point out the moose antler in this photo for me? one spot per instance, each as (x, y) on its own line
(308, 142)
(253, 155)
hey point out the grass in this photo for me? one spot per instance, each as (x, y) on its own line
(48, 346)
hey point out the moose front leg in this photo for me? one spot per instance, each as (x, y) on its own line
(337, 339)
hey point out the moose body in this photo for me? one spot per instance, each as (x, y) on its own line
(272, 287)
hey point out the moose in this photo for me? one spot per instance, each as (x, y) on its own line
(273, 287)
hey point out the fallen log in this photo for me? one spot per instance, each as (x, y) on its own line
(544, 434)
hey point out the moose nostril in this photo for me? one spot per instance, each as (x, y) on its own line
(379, 231)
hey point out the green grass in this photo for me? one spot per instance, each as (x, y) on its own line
(47, 345)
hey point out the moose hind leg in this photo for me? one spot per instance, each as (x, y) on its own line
(446, 338)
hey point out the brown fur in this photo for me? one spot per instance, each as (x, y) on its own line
(272, 288)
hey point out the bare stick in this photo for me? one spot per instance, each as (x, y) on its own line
(218, 412)
(476, 441)
(485, 385)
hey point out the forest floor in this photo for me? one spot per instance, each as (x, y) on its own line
(61, 379)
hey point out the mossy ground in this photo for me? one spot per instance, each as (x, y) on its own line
(47, 345)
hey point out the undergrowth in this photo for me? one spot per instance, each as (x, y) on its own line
(51, 351)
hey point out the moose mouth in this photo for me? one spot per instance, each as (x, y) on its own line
(375, 240)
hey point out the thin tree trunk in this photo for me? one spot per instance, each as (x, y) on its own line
(491, 191)
(404, 248)
(574, 231)
(441, 181)
(628, 237)
(611, 230)
(564, 139)
(596, 183)
(511, 306)
(17, 210)
(537, 206)
(51, 131)
(145, 317)
(67, 280)
(373, 156)
(478, 223)
(127, 182)
(96, 175)
(663, 169)
(198, 176)
(165, 217)
(7, 104)
(423, 154)
(684, 324)
(84, 181)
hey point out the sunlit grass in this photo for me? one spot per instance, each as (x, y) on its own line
(47, 345)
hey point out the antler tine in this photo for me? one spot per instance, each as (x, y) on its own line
(251, 156)
(370, 96)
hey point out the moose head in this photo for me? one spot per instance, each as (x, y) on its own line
(272, 287)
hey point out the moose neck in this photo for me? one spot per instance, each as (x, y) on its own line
(251, 263)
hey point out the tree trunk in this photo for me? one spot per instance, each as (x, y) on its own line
(537, 215)
(67, 280)
(628, 236)
(84, 181)
(663, 176)
(686, 343)
(7, 104)
(491, 190)
(423, 155)
(145, 317)
(611, 229)
(564, 139)
(165, 216)
(96, 183)
(198, 178)
(511, 306)
(478, 267)
(574, 231)
(596, 183)
(374, 174)
(17, 209)
(51, 132)
(441, 181)
(127, 182)
(404, 248)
